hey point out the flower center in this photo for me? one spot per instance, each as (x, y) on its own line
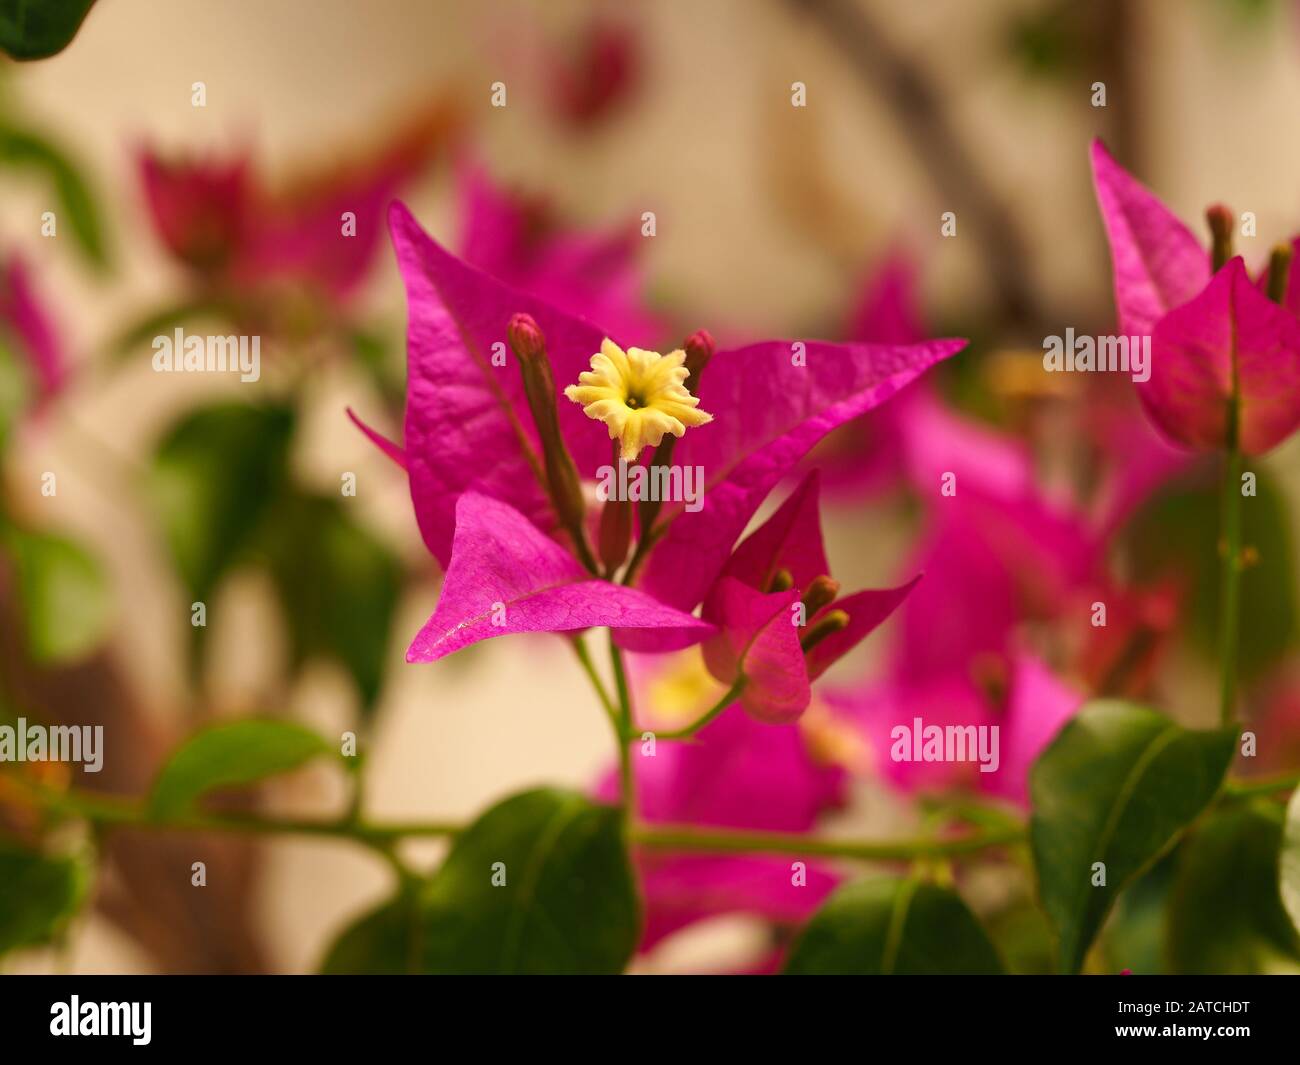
(639, 395)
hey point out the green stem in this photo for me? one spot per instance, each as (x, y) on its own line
(111, 812)
(729, 697)
(584, 656)
(1230, 598)
(723, 841)
(1244, 789)
(624, 731)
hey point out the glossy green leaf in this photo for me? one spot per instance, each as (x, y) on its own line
(1118, 786)
(215, 477)
(568, 903)
(242, 752)
(339, 587)
(1133, 937)
(386, 941)
(886, 925)
(64, 595)
(1289, 860)
(38, 896)
(35, 29)
(1226, 913)
(74, 205)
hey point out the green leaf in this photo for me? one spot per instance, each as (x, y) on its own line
(1226, 913)
(339, 586)
(1289, 860)
(136, 339)
(242, 752)
(1133, 937)
(15, 390)
(887, 925)
(568, 904)
(36, 29)
(64, 595)
(38, 896)
(1118, 786)
(386, 941)
(215, 476)
(73, 200)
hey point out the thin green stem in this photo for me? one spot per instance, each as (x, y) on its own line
(1244, 789)
(1230, 598)
(589, 667)
(722, 841)
(109, 812)
(729, 697)
(625, 730)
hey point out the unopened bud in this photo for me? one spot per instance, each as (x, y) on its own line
(562, 482)
(782, 581)
(526, 337)
(1220, 221)
(821, 593)
(1279, 270)
(833, 621)
(615, 534)
(700, 348)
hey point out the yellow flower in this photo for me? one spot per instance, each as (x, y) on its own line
(639, 395)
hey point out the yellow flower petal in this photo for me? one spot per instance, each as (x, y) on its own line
(640, 396)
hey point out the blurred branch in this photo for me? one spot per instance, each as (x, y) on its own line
(149, 895)
(924, 121)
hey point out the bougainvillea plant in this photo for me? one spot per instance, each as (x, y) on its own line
(591, 479)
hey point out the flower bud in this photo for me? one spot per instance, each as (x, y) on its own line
(615, 534)
(700, 347)
(1279, 270)
(526, 338)
(562, 481)
(821, 593)
(1220, 221)
(833, 621)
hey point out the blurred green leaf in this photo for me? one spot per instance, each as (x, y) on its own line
(339, 586)
(1289, 860)
(38, 896)
(1118, 785)
(214, 479)
(541, 883)
(1134, 936)
(75, 205)
(64, 594)
(15, 390)
(1176, 533)
(36, 29)
(386, 941)
(888, 925)
(242, 752)
(137, 339)
(1020, 934)
(1226, 914)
